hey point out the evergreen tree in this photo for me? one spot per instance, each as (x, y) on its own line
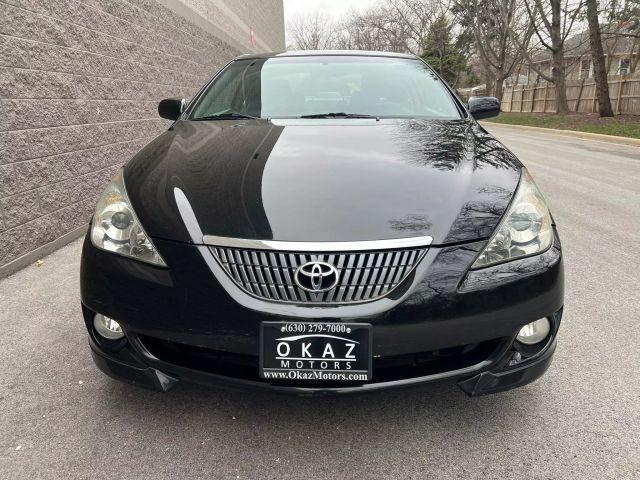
(443, 52)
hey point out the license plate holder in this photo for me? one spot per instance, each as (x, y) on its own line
(315, 352)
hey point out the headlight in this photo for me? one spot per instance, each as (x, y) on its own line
(116, 228)
(525, 229)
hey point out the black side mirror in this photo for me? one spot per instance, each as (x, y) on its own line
(171, 108)
(484, 107)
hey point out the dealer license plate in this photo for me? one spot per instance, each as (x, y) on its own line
(315, 351)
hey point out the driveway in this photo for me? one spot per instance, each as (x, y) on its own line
(61, 418)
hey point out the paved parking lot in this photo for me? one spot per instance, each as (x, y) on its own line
(61, 418)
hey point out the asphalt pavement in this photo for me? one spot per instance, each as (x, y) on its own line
(61, 418)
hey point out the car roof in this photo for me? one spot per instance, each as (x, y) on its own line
(308, 53)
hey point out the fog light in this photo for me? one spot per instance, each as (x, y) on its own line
(534, 332)
(107, 327)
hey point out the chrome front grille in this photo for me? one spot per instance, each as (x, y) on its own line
(362, 276)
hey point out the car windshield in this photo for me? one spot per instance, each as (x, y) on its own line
(328, 86)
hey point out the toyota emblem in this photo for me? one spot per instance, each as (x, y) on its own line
(316, 276)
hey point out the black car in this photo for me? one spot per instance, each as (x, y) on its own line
(324, 222)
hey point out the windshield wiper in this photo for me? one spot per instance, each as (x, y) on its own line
(228, 116)
(339, 115)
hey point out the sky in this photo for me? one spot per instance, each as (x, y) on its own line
(331, 7)
(335, 8)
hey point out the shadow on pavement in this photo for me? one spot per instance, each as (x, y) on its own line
(434, 410)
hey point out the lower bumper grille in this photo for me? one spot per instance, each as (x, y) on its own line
(385, 369)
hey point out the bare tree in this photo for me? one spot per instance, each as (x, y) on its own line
(392, 25)
(631, 17)
(408, 22)
(597, 56)
(373, 29)
(495, 25)
(622, 24)
(553, 22)
(314, 31)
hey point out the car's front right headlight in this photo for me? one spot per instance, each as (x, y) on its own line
(116, 228)
(524, 230)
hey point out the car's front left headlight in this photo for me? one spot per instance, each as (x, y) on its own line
(116, 227)
(524, 230)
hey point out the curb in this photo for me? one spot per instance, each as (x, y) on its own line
(572, 133)
(30, 258)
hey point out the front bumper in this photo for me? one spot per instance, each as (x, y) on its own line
(445, 308)
(474, 381)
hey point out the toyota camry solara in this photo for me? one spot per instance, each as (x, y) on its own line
(324, 222)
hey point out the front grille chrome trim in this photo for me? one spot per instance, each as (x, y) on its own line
(363, 276)
(287, 246)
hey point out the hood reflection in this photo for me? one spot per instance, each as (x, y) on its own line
(449, 145)
(412, 223)
(326, 180)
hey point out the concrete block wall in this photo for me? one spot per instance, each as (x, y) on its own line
(79, 85)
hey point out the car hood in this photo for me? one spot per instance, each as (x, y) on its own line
(325, 180)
